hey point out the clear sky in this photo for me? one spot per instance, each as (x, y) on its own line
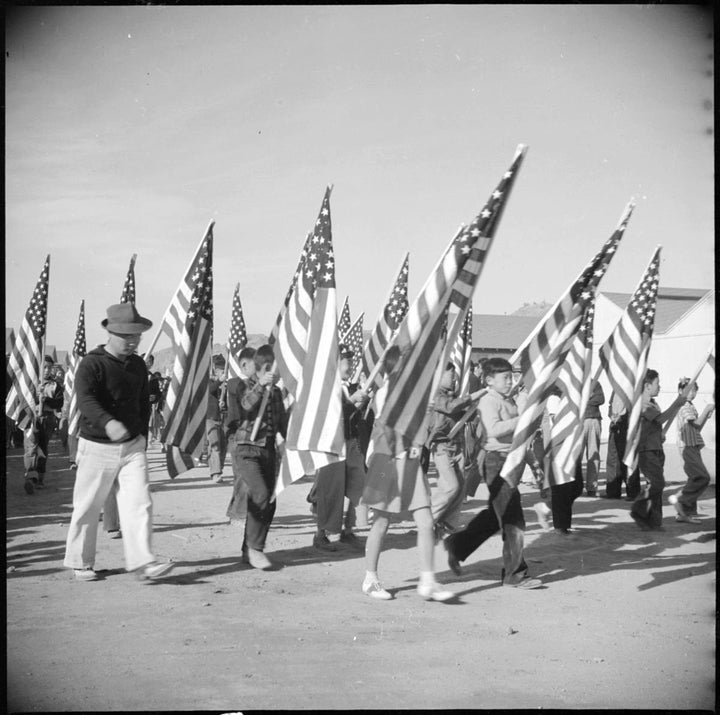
(129, 128)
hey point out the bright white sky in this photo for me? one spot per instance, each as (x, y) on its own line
(129, 128)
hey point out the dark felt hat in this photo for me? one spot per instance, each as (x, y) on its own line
(124, 318)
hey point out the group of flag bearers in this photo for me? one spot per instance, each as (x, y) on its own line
(298, 406)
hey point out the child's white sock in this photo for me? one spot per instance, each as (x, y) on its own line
(371, 576)
(427, 577)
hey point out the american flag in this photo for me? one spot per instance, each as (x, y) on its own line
(345, 322)
(389, 321)
(237, 339)
(128, 291)
(291, 290)
(419, 337)
(307, 358)
(79, 351)
(461, 352)
(575, 384)
(624, 355)
(353, 338)
(544, 352)
(189, 318)
(26, 358)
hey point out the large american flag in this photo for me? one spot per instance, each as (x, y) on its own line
(544, 352)
(345, 322)
(419, 337)
(306, 354)
(189, 320)
(353, 339)
(78, 352)
(128, 291)
(26, 357)
(624, 355)
(389, 321)
(575, 384)
(237, 339)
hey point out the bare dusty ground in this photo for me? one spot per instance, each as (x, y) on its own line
(626, 619)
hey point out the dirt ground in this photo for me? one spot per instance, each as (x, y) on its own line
(626, 618)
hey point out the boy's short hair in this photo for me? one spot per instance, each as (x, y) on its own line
(496, 365)
(391, 358)
(650, 376)
(264, 354)
(247, 353)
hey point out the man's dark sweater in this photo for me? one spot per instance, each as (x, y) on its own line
(110, 388)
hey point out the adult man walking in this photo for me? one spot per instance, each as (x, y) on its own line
(112, 393)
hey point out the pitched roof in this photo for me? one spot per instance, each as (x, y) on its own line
(63, 357)
(672, 304)
(501, 332)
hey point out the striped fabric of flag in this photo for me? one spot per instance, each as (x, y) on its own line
(461, 352)
(191, 313)
(237, 338)
(25, 362)
(345, 322)
(128, 291)
(353, 339)
(711, 360)
(575, 384)
(546, 349)
(291, 290)
(419, 337)
(389, 321)
(78, 352)
(624, 355)
(306, 354)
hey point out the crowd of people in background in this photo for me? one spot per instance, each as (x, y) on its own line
(469, 437)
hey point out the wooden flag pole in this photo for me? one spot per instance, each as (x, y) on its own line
(149, 350)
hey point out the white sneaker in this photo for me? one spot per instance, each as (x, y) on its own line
(157, 569)
(375, 590)
(433, 592)
(87, 574)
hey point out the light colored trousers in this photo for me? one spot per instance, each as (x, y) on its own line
(99, 466)
(448, 498)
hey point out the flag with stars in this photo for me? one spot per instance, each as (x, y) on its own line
(237, 339)
(78, 352)
(189, 318)
(25, 362)
(353, 339)
(461, 352)
(345, 322)
(624, 355)
(544, 352)
(575, 384)
(307, 360)
(419, 337)
(128, 291)
(389, 321)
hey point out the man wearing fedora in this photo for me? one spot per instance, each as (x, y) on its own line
(112, 392)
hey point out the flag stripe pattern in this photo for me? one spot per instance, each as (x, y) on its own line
(25, 362)
(237, 339)
(624, 355)
(574, 381)
(542, 357)
(353, 339)
(462, 350)
(345, 322)
(315, 434)
(392, 315)
(79, 351)
(128, 291)
(185, 408)
(419, 337)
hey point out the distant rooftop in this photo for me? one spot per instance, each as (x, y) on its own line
(501, 332)
(672, 304)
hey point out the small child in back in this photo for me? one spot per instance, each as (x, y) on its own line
(691, 442)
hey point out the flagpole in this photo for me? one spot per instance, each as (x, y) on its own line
(157, 335)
